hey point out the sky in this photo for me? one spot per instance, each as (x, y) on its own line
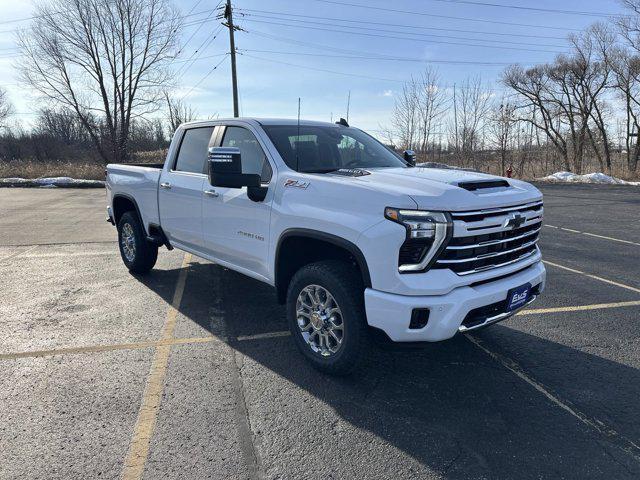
(326, 51)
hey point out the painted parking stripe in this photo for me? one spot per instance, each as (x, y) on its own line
(105, 348)
(259, 336)
(595, 277)
(580, 308)
(604, 237)
(139, 447)
(625, 444)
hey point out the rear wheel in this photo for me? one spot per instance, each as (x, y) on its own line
(137, 254)
(325, 312)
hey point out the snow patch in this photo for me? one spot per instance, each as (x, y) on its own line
(50, 182)
(596, 177)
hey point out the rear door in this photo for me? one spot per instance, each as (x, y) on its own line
(180, 189)
(235, 228)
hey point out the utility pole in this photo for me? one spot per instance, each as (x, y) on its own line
(228, 14)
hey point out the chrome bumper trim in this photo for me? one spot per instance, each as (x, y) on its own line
(496, 318)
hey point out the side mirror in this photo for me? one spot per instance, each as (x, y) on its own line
(410, 157)
(225, 169)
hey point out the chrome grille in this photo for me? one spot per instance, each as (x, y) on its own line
(492, 238)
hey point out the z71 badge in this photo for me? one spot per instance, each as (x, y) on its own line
(290, 182)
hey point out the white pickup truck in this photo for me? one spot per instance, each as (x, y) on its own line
(352, 236)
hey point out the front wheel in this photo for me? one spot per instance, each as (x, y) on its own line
(326, 316)
(137, 254)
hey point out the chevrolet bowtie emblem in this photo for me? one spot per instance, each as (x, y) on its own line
(513, 221)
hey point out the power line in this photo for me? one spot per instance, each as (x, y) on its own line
(373, 57)
(534, 9)
(199, 26)
(197, 52)
(368, 77)
(205, 77)
(344, 20)
(402, 38)
(451, 17)
(404, 32)
(321, 47)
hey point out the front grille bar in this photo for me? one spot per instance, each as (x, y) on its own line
(498, 265)
(489, 255)
(490, 211)
(489, 243)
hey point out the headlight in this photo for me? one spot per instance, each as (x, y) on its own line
(427, 233)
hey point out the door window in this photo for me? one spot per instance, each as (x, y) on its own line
(253, 158)
(192, 155)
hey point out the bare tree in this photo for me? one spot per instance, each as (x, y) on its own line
(624, 62)
(503, 123)
(625, 68)
(106, 60)
(593, 47)
(6, 109)
(178, 112)
(406, 115)
(431, 100)
(473, 106)
(564, 93)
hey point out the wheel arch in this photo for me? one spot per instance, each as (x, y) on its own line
(300, 246)
(122, 203)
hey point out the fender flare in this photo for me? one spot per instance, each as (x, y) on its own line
(349, 246)
(135, 205)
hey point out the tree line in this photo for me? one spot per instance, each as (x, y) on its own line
(583, 105)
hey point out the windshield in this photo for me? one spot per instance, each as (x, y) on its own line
(317, 149)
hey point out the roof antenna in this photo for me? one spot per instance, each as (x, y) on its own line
(298, 138)
(348, 104)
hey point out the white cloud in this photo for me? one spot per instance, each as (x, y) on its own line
(387, 93)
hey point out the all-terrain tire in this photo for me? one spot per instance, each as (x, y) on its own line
(344, 284)
(137, 253)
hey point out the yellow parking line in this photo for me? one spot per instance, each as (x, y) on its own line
(139, 447)
(595, 277)
(580, 308)
(104, 348)
(604, 237)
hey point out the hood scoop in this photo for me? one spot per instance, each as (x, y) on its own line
(482, 185)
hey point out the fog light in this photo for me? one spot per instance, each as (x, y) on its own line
(419, 318)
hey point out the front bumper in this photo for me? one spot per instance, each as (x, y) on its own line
(392, 313)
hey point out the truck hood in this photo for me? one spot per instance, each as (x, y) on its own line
(440, 189)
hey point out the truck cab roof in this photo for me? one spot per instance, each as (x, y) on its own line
(260, 121)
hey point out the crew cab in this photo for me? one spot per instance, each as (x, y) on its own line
(353, 237)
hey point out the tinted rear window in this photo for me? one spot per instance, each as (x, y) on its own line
(193, 150)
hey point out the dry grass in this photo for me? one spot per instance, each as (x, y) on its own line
(33, 169)
(89, 170)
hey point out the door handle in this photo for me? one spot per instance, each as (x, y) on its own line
(166, 185)
(211, 193)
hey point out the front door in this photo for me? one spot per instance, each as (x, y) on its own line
(180, 190)
(235, 228)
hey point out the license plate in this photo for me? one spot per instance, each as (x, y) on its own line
(518, 296)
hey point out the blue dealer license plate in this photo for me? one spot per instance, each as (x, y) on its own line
(518, 296)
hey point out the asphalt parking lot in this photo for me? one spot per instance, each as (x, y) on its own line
(188, 373)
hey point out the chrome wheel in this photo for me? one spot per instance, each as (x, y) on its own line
(320, 320)
(128, 242)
